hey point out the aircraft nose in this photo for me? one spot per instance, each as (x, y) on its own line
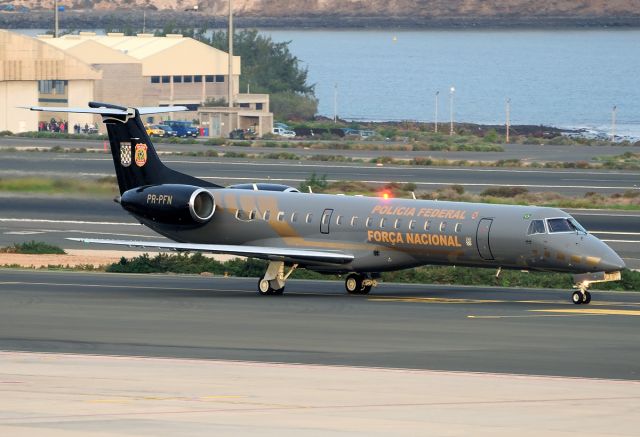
(609, 260)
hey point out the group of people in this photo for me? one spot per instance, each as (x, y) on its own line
(63, 126)
(53, 126)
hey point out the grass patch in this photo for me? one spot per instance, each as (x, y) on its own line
(100, 187)
(197, 263)
(33, 248)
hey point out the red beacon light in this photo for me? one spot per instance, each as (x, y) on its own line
(385, 195)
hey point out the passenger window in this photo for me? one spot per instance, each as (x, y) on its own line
(339, 220)
(412, 225)
(280, 217)
(382, 222)
(369, 222)
(266, 215)
(354, 221)
(325, 219)
(458, 227)
(253, 214)
(536, 227)
(294, 217)
(427, 225)
(309, 218)
(397, 223)
(443, 226)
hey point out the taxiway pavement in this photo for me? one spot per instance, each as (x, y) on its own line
(478, 329)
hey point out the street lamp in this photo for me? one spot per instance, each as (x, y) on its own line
(508, 108)
(335, 103)
(230, 57)
(451, 92)
(613, 122)
(436, 117)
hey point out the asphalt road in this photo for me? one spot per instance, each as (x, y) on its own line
(226, 171)
(53, 219)
(400, 326)
(527, 153)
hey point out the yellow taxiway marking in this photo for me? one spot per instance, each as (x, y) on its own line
(592, 311)
(430, 300)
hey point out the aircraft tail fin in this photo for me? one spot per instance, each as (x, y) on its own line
(134, 156)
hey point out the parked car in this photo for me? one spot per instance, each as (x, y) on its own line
(183, 128)
(168, 131)
(282, 125)
(155, 131)
(242, 134)
(283, 132)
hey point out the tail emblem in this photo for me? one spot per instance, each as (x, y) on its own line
(125, 154)
(141, 154)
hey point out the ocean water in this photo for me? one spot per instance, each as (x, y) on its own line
(565, 78)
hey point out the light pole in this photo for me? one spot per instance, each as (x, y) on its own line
(436, 117)
(613, 122)
(230, 31)
(55, 19)
(335, 103)
(508, 119)
(451, 92)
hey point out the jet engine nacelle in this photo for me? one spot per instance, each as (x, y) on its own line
(171, 204)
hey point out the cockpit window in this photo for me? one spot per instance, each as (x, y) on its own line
(536, 227)
(564, 225)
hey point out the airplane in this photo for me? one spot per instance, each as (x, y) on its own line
(356, 236)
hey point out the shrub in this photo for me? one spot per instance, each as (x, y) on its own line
(215, 142)
(504, 191)
(293, 106)
(33, 247)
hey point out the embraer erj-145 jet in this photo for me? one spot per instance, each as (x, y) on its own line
(356, 236)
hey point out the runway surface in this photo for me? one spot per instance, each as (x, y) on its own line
(291, 172)
(398, 326)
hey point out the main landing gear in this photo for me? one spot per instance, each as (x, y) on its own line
(581, 297)
(273, 281)
(356, 283)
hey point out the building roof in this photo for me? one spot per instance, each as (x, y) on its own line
(169, 55)
(26, 58)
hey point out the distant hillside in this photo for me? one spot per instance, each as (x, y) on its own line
(367, 8)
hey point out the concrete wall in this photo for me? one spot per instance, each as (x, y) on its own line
(12, 95)
(121, 84)
(80, 93)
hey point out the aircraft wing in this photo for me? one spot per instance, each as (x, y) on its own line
(107, 111)
(268, 253)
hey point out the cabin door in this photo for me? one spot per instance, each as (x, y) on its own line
(325, 221)
(482, 238)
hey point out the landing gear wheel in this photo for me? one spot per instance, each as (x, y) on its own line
(264, 288)
(278, 292)
(577, 297)
(587, 297)
(353, 283)
(365, 289)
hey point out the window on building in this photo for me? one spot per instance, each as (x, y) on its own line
(197, 79)
(208, 78)
(166, 79)
(155, 79)
(244, 105)
(52, 86)
(187, 79)
(258, 106)
(177, 79)
(219, 78)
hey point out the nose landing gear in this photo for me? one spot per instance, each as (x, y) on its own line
(583, 282)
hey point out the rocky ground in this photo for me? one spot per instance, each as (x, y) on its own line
(132, 19)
